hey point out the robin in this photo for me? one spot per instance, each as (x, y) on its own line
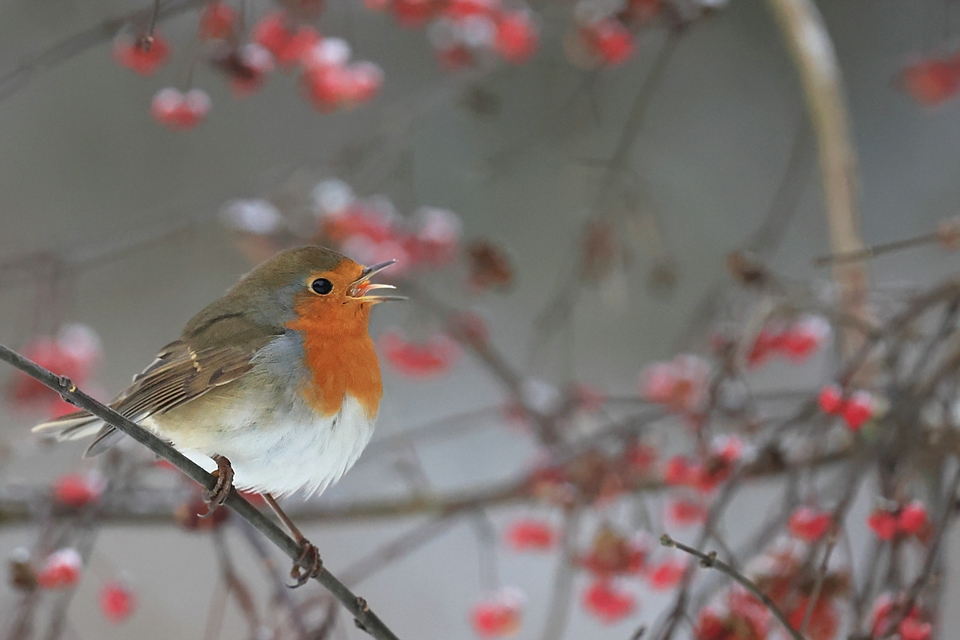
(275, 386)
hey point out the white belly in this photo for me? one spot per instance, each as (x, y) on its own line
(284, 452)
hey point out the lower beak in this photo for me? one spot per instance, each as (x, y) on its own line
(360, 289)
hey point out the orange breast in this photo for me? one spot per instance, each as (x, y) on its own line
(341, 362)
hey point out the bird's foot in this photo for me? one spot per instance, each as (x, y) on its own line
(307, 565)
(218, 495)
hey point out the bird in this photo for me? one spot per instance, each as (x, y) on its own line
(274, 387)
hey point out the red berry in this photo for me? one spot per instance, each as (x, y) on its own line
(413, 13)
(180, 111)
(883, 523)
(824, 619)
(680, 471)
(666, 575)
(607, 602)
(361, 83)
(913, 518)
(680, 384)
(610, 40)
(516, 38)
(419, 359)
(913, 629)
(931, 82)
(831, 399)
(803, 338)
(216, 21)
(276, 34)
(499, 615)
(685, 513)
(77, 490)
(809, 524)
(117, 601)
(858, 410)
(530, 535)
(142, 55)
(460, 9)
(763, 346)
(253, 64)
(61, 570)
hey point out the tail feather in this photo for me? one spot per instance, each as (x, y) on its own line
(81, 424)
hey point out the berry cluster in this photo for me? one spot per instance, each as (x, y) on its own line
(680, 384)
(498, 615)
(855, 410)
(907, 520)
(279, 40)
(74, 352)
(796, 341)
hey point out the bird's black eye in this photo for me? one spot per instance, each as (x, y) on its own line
(321, 286)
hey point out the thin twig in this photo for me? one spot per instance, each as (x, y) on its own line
(710, 561)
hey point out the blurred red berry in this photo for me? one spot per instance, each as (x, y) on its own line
(607, 601)
(460, 9)
(425, 359)
(831, 399)
(805, 336)
(499, 615)
(685, 513)
(216, 21)
(858, 410)
(681, 471)
(763, 347)
(142, 55)
(413, 13)
(73, 353)
(284, 40)
(436, 238)
(883, 523)
(913, 629)
(530, 535)
(61, 570)
(809, 524)
(180, 111)
(612, 553)
(824, 620)
(247, 68)
(666, 575)
(913, 518)
(610, 40)
(516, 39)
(711, 625)
(117, 601)
(931, 82)
(361, 83)
(680, 384)
(78, 489)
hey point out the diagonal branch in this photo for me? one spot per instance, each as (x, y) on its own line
(366, 618)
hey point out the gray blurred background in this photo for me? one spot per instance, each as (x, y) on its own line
(84, 170)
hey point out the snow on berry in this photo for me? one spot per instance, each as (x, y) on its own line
(809, 524)
(180, 111)
(143, 55)
(60, 570)
(804, 337)
(883, 523)
(608, 601)
(217, 21)
(423, 359)
(679, 384)
(436, 239)
(117, 601)
(666, 575)
(247, 68)
(528, 534)
(499, 615)
(913, 518)
(78, 489)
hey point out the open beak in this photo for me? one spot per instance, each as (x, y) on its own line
(361, 287)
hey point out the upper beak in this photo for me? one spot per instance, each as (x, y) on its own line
(361, 287)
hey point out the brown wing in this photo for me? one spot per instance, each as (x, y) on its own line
(215, 353)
